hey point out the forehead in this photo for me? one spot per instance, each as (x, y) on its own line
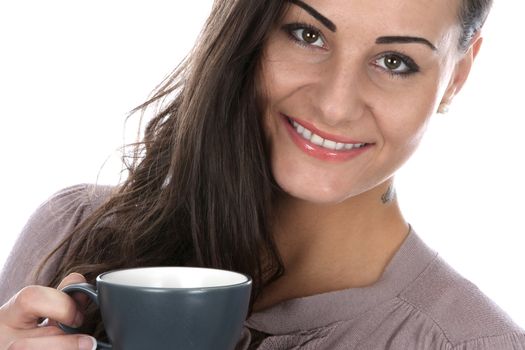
(433, 19)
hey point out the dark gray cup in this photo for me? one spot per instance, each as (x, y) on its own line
(159, 308)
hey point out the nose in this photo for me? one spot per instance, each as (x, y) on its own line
(338, 92)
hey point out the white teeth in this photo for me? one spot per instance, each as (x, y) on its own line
(329, 144)
(307, 134)
(319, 141)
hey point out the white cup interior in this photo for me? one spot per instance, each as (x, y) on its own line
(174, 277)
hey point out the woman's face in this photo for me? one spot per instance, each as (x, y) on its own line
(350, 87)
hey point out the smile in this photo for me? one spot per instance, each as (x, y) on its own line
(321, 145)
(322, 142)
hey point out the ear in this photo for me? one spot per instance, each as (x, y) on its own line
(461, 71)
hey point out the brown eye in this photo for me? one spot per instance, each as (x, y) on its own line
(309, 36)
(393, 62)
(396, 64)
(305, 35)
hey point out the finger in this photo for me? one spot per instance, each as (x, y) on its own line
(81, 299)
(25, 308)
(72, 278)
(62, 342)
(8, 334)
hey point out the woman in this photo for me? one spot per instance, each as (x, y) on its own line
(276, 158)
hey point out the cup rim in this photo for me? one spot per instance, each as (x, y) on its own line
(247, 281)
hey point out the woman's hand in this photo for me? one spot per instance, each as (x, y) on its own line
(19, 328)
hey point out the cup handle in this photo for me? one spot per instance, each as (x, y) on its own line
(91, 292)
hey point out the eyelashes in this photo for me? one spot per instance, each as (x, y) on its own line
(396, 64)
(305, 34)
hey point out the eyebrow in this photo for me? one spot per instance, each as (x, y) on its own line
(404, 40)
(325, 21)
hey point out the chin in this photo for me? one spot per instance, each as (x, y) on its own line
(318, 194)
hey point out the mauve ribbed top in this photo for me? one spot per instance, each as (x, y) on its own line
(420, 302)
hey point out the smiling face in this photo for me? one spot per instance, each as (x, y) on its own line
(350, 87)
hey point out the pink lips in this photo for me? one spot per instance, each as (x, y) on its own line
(321, 152)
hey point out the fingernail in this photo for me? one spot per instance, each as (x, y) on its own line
(75, 274)
(86, 342)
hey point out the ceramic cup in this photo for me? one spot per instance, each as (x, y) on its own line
(159, 308)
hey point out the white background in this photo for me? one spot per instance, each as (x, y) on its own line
(71, 70)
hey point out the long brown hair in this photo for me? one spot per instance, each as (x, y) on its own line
(199, 188)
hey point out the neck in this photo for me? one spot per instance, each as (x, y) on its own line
(326, 247)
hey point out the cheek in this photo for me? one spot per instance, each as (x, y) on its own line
(403, 116)
(402, 119)
(287, 69)
(283, 79)
(280, 81)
